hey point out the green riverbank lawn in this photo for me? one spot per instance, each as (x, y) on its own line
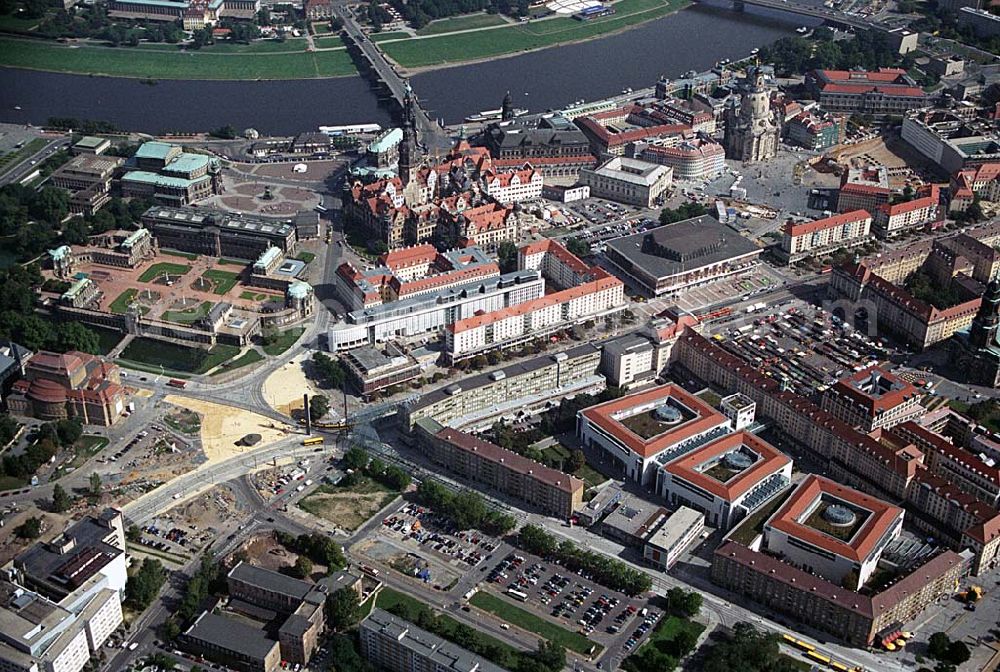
(467, 22)
(454, 48)
(219, 62)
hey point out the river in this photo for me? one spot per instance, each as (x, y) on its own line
(694, 38)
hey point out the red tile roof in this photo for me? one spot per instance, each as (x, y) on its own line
(929, 200)
(603, 281)
(790, 518)
(556, 249)
(833, 222)
(706, 419)
(900, 392)
(771, 461)
(409, 256)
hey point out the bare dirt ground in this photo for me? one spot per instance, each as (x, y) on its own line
(222, 426)
(284, 388)
(264, 551)
(11, 545)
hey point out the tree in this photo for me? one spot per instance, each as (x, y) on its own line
(74, 336)
(227, 132)
(355, 458)
(69, 431)
(319, 406)
(328, 370)
(578, 246)
(682, 212)
(95, 484)
(937, 646)
(958, 653)
(60, 500)
(171, 630)
(143, 587)
(577, 460)
(303, 567)
(551, 655)
(133, 533)
(29, 529)
(507, 257)
(342, 609)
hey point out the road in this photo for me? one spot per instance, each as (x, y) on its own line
(20, 170)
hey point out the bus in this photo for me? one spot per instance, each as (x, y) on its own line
(517, 595)
(370, 571)
(839, 666)
(173, 382)
(312, 441)
(818, 657)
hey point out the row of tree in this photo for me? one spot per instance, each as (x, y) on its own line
(145, 584)
(466, 509)
(609, 572)
(794, 55)
(391, 476)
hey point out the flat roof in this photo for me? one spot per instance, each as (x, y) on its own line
(272, 581)
(154, 150)
(442, 653)
(91, 142)
(230, 634)
(808, 495)
(146, 177)
(682, 246)
(706, 418)
(635, 516)
(490, 377)
(676, 527)
(692, 466)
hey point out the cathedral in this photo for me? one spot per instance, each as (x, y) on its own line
(752, 127)
(977, 352)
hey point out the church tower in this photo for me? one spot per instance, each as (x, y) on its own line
(984, 327)
(507, 108)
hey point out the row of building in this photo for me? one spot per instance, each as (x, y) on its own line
(61, 600)
(462, 293)
(963, 262)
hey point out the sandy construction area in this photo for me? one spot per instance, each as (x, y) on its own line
(222, 426)
(284, 388)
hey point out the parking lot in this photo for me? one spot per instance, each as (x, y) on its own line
(426, 531)
(804, 346)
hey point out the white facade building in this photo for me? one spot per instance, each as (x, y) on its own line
(628, 181)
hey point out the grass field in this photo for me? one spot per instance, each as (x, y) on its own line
(85, 448)
(13, 23)
(307, 257)
(120, 305)
(148, 354)
(163, 268)
(188, 315)
(11, 483)
(246, 359)
(211, 63)
(514, 615)
(223, 280)
(415, 53)
(664, 633)
(468, 22)
(254, 296)
(382, 37)
(107, 338)
(348, 508)
(284, 341)
(11, 159)
(329, 42)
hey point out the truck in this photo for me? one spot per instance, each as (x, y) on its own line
(173, 382)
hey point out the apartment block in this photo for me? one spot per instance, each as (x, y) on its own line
(549, 490)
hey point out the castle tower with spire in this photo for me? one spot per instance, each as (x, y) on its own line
(976, 354)
(408, 145)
